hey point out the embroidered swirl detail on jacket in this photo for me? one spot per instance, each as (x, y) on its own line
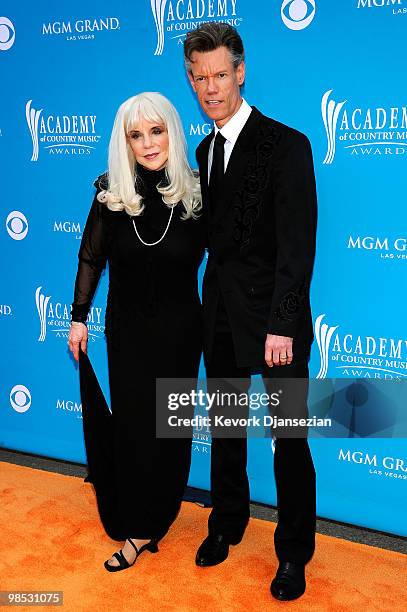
(291, 303)
(248, 198)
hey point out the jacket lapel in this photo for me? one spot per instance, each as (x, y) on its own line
(237, 166)
(239, 160)
(202, 153)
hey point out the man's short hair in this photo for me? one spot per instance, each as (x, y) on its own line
(211, 36)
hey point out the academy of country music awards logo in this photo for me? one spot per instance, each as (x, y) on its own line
(178, 17)
(389, 249)
(357, 356)
(202, 441)
(396, 6)
(80, 29)
(389, 467)
(7, 34)
(61, 135)
(55, 317)
(363, 131)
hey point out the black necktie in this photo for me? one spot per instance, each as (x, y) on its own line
(218, 164)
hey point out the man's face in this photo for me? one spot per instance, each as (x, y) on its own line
(217, 83)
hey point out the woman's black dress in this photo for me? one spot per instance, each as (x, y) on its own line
(153, 329)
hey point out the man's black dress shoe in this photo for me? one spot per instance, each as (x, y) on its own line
(289, 582)
(214, 549)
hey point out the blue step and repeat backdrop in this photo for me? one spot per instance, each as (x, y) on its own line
(334, 70)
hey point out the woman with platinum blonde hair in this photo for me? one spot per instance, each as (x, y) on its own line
(145, 222)
(121, 192)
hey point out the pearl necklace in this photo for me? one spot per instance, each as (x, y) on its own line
(157, 241)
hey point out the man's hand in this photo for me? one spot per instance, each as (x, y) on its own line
(78, 335)
(278, 350)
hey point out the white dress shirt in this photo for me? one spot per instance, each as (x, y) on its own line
(230, 131)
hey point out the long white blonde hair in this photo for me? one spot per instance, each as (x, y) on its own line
(183, 185)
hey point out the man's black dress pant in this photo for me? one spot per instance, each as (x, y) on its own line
(294, 471)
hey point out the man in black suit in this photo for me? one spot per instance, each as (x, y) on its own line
(258, 190)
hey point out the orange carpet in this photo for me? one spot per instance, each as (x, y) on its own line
(52, 540)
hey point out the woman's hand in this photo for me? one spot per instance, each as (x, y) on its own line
(78, 335)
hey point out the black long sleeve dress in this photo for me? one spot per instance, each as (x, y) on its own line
(153, 329)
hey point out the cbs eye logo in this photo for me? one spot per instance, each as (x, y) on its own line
(7, 34)
(17, 225)
(297, 14)
(20, 398)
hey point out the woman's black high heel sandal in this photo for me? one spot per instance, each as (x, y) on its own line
(123, 563)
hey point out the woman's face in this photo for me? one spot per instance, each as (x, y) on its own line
(149, 143)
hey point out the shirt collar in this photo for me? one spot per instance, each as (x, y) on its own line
(234, 126)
